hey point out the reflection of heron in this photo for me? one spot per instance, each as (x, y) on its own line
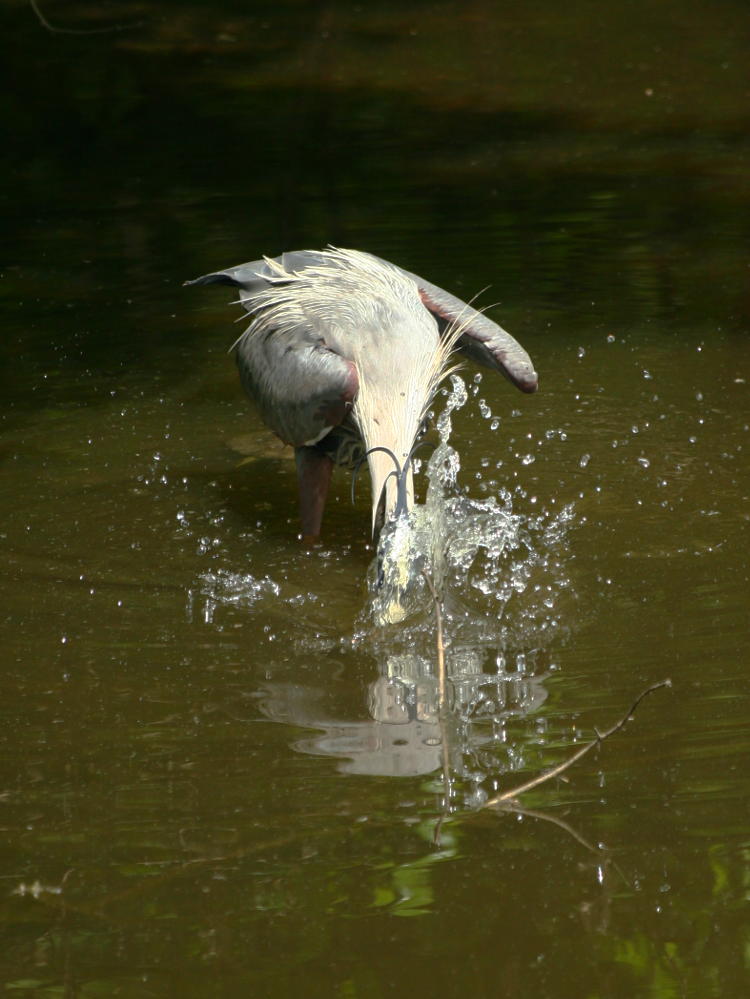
(403, 735)
(343, 356)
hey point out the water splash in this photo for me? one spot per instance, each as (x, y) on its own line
(222, 588)
(500, 565)
(500, 571)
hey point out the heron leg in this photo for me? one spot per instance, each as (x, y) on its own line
(313, 476)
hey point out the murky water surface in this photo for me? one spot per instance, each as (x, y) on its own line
(220, 774)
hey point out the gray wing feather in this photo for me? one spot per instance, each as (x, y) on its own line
(482, 340)
(301, 388)
(256, 276)
(294, 384)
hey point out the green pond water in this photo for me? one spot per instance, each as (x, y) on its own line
(217, 777)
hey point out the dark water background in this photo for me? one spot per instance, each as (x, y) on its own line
(196, 795)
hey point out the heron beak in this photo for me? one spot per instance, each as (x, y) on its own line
(392, 480)
(390, 477)
(390, 410)
(396, 584)
(384, 474)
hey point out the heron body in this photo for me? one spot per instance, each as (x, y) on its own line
(343, 356)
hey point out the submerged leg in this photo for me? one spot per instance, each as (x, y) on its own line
(313, 477)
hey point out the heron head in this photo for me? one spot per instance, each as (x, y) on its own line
(395, 393)
(391, 409)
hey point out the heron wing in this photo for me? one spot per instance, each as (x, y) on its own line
(481, 339)
(301, 387)
(256, 275)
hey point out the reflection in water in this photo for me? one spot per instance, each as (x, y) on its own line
(491, 565)
(403, 736)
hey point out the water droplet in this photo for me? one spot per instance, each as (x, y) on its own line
(644, 462)
(585, 459)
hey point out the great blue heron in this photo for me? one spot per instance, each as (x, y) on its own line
(343, 356)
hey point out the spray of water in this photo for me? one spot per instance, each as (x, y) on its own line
(500, 565)
(500, 571)
(499, 562)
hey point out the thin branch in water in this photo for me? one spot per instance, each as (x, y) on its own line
(442, 722)
(442, 706)
(53, 29)
(561, 823)
(508, 798)
(439, 642)
(579, 754)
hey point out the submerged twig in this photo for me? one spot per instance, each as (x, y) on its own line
(446, 781)
(510, 795)
(442, 704)
(561, 823)
(105, 30)
(439, 642)
(508, 798)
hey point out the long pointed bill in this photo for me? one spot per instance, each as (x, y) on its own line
(385, 476)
